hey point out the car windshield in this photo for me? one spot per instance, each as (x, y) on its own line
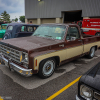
(4, 26)
(51, 31)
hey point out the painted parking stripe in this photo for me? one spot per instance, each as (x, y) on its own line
(63, 89)
(1, 98)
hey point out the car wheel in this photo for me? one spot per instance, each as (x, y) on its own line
(5, 37)
(98, 34)
(92, 52)
(46, 68)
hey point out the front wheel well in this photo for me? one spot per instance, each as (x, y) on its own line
(57, 58)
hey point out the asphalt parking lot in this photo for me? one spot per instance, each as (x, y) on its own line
(61, 86)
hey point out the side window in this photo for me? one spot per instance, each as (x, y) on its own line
(72, 33)
(10, 28)
(30, 29)
(35, 28)
(80, 24)
(23, 29)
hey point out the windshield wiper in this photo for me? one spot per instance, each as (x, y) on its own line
(36, 35)
(48, 36)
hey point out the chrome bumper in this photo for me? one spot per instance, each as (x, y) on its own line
(13, 66)
(77, 98)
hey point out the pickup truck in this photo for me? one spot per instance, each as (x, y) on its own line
(50, 46)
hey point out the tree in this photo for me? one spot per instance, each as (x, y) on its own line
(5, 16)
(16, 19)
(22, 18)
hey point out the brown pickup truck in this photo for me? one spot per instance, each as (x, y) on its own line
(50, 46)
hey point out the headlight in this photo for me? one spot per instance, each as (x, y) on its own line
(86, 92)
(25, 57)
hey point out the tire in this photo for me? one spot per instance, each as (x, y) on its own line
(97, 34)
(46, 68)
(5, 37)
(91, 53)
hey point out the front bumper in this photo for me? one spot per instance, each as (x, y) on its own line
(15, 67)
(78, 98)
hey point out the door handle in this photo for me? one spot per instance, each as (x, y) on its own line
(62, 45)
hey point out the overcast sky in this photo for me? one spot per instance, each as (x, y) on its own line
(14, 7)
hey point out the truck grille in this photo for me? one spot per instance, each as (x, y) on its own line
(97, 95)
(10, 53)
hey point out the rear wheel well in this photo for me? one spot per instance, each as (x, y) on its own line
(97, 33)
(57, 60)
(96, 47)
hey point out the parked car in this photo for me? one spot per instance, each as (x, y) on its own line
(89, 85)
(50, 46)
(15, 30)
(3, 30)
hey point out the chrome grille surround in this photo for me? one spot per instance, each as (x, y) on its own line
(96, 95)
(11, 53)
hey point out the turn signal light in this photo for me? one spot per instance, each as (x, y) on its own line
(36, 62)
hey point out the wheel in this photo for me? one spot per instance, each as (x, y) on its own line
(46, 68)
(91, 53)
(97, 34)
(5, 37)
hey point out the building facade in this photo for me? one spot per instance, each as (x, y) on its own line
(60, 11)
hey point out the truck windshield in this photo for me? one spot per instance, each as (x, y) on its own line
(51, 31)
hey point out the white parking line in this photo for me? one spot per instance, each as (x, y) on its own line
(35, 81)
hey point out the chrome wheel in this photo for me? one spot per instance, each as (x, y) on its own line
(48, 68)
(92, 52)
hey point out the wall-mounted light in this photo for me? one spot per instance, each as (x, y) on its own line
(39, 0)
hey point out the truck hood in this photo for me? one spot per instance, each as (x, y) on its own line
(30, 43)
(92, 77)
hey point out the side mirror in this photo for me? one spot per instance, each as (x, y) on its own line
(73, 38)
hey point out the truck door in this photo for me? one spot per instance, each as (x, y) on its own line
(74, 43)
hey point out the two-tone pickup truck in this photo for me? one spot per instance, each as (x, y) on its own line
(50, 46)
